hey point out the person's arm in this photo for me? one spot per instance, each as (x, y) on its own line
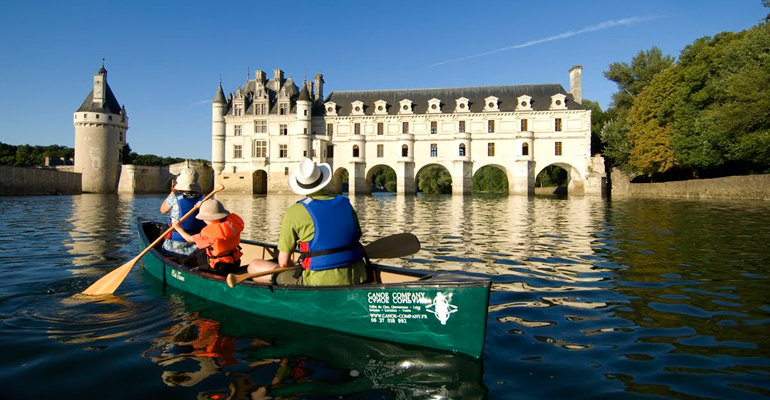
(165, 207)
(182, 232)
(284, 260)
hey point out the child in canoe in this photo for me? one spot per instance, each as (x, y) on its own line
(218, 242)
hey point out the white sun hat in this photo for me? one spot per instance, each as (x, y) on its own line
(309, 177)
(212, 210)
(187, 180)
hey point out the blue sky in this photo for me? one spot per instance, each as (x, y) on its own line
(164, 59)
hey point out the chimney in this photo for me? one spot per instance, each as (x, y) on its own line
(260, 76)
(319, 86)
(576, 83)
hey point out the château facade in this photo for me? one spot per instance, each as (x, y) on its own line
(264, 127)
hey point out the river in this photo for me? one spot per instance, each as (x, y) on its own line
(592, 299)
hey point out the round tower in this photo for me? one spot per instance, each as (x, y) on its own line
(300, 141)
(100, 134)
(218, 109)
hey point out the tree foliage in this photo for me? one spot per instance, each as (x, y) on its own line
(598, 118)
(31, 156)
(490, 179)
(706, 114)
(552, 176)
(384, 179)
(434, 179)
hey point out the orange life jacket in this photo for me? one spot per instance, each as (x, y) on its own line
(226, 236)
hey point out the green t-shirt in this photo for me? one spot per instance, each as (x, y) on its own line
(297, 226)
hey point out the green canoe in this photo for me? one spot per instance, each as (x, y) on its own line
(432, 309)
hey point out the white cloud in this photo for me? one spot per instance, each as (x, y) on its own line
(565, 35)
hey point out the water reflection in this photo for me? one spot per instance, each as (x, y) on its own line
(93, 238)
(213, 350)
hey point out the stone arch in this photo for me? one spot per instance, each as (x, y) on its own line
(575, 181)
(259, 181)
(370, 175)
(506, 172)
(337, 184)
(425, 167)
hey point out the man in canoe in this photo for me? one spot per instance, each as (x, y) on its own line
(218, 242)
(323, 228)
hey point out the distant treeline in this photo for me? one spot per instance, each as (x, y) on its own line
(705, 114)
(34, 156)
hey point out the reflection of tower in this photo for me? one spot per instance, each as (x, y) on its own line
(94, 220)
(100, 129)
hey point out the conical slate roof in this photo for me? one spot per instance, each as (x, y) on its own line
(110, 105)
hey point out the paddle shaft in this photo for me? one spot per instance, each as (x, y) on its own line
(108, 283)
(393, 246)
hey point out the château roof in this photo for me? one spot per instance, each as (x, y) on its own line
(110, 105)
(507, 98)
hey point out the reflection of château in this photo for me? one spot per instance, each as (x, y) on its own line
(262, 129)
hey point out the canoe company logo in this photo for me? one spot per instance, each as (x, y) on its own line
(441, 307)
(178, 275)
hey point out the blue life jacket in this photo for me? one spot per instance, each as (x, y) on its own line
(335, 241)
(191, 225)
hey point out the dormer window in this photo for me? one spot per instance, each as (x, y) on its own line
(462, 105)
(380, 107)
(558, 102)
(238, 110)
(331, 108)
(524, 103)
(405, 106)
(357, 107)
(283, 108)
(491, 104)
(434, 106)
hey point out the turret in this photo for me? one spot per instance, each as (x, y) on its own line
(100, 133)
(218, 109)
(300, 142)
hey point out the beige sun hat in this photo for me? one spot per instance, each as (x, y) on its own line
(309, 177)
(212, 210)
(187, 180)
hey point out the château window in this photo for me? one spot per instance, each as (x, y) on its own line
(329, 129)
(260, 149)
(491, 126)
(261, 109)
(405, 127)
(557, 148)
(238, 130)
(355, 150)
(380, 128)
(433, 127)
(524, 125)
(260, 126)
(490, 149)
(120, 136)
(404, 151)
(238, 110)
(330, 151)
(557, 125)
(433, 150)
(283, 150)
(461, 151)
(283, 109)
(461, 127)
(380, 150)
(237, 151)
(525, 149)
(357, 128)
(283, 129)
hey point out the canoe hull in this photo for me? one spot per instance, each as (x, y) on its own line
(442, 311)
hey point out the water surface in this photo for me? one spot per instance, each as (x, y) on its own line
(592, 299)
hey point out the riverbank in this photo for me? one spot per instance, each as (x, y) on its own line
(747, 187)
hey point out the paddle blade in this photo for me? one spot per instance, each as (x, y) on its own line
(108, 283)
(393, 246)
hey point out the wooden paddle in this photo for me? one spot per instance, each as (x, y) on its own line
(393, 246)
(108, 283)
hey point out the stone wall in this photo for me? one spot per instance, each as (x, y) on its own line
(15, 181)
(143, 179)
(748, 187)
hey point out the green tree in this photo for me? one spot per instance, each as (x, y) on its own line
(598, 118)
(384, 179)
(552, 176)
(435, 179)
(490, 179)
(614, 135)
